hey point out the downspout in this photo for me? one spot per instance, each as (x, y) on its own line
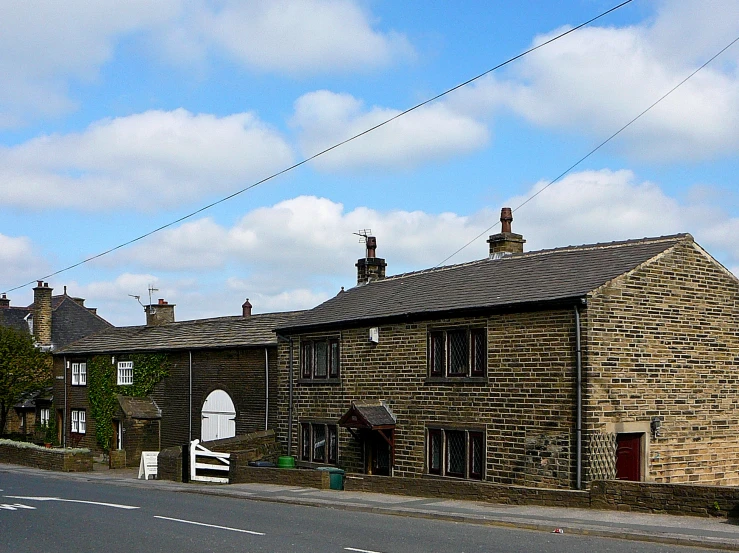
(266, 388)
(290, 401)
(64, 415)
(578, 423)
(190, 398)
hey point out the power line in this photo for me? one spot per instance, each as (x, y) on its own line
(598, 147)
(322, 152)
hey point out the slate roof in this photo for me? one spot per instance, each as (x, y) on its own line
(367, 415)
(519, 279)
(70, 321)
(221, 332)
(139, 407)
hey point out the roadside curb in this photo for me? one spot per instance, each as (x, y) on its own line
(585, 528)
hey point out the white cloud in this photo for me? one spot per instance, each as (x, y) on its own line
(433, 132)
(142, 161)
(300, 36)
(19, 261)
(597, 79)
(47, 46)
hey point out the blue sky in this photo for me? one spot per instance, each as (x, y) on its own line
(118, 117)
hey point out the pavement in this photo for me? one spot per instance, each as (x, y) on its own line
(713, 533)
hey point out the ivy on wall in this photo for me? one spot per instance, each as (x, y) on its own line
(148, 371)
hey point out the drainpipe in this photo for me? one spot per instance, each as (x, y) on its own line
(290, 401)
(190, 398)
(64, 415)
(578, 424)
(266, 388)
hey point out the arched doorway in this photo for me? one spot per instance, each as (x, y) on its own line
(218, 418)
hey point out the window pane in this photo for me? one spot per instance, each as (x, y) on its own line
(321, 355)
(455, 453)
(83, 373)
(319, 443)
(437, 353)
(75, 374)
(434, 453)
(333, 440)
(334, 359)
(82, 422)
(476, 455)
(305, 442)
(458, 351)
(306, 359)
(479, 352)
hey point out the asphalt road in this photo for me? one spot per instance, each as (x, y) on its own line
(41, 514)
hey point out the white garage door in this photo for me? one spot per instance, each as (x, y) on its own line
(218, 419)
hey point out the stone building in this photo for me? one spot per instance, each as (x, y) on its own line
(54, 322)
(219, 380)
(551, 368)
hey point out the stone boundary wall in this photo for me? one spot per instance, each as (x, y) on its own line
(305, 478)
(466, 490)
(673, 499)
(62, 460)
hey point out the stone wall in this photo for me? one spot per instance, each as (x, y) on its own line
(524, 405)
(430, 486)
(305, 478)
(62, 460)
(661, 342)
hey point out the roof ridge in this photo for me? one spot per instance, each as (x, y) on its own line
(561, 249)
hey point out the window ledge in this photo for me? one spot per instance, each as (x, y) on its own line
(450, 477)
(319, 381)
(456, 380)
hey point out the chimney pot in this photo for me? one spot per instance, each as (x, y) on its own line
(505, 242)
(246, 308)
(370, 268)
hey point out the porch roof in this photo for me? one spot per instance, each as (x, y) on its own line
(375, 416)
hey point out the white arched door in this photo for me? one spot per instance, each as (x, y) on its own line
(218, 418)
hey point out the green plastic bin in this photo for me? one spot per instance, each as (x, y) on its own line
(336, 477)
(286, 462)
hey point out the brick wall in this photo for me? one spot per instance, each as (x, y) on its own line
(139, 435)
(244, 474)
(524, 405)
(46, 458)
(662, 341)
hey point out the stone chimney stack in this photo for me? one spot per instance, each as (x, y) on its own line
(4, 302)
(370, 268)
(246, 308)
(160, 313)
(42, 313)
(505, 242)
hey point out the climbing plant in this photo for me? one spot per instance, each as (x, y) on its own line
(148, 371)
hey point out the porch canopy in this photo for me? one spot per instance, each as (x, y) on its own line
(374, 416)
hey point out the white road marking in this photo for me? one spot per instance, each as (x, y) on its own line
(14, 506)
(211, 525)
(360, 550)
(114, 505)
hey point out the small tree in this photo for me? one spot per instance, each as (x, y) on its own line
(23, 370)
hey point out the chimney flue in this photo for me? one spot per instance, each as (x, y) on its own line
(4, 302)
(505, 242)
(246, 308)
(159, 313)
(42, 313)
(370, 268)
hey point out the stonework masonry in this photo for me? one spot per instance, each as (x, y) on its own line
(660, 343)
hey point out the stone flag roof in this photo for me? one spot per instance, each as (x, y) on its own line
(221, 332)
(515, 280)
(368, 415)
(139, 407)
(70, 321)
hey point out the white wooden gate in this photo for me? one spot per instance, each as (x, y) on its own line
(210, 462)
(218, 417)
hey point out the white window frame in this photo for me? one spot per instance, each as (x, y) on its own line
(79, 374)
(79, 424)
(45, 414)
(125, 373)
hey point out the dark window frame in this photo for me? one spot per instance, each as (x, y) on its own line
(446, 357)
(309, 431)
(473, 440)
(320, 359)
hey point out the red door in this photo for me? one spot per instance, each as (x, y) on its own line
(628, 457)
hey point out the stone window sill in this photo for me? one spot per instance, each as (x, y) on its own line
(318, 381)
(456, 380)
